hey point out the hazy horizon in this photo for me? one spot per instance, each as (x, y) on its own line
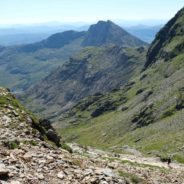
(18, 12)
(124, 23)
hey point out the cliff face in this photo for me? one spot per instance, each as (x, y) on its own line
(169, 42)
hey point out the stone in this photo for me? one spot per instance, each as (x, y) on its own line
(15, 182)
(4, 172)
(39, 176)
(27, 157)
(61, 175)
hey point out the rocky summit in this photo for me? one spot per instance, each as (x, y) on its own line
(27, 156)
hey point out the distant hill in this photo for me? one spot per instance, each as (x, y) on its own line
(145, 33)
(55, 41)
(22, 38)
(25, 65)
(26, 34)
(18, 35)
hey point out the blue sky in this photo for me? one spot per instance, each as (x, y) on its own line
(36, 11)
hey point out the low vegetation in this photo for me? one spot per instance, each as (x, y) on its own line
(146, 114)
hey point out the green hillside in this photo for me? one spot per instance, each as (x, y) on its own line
(146, 114)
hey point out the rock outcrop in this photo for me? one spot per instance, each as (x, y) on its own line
(27, 157)
(168, 42)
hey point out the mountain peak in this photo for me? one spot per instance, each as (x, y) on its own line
(108, 22)
(107, 32)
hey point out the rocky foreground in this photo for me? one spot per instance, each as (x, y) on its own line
(29, 155)
(26, 156)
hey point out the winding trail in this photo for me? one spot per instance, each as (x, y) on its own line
(151, 169)
(153, 161)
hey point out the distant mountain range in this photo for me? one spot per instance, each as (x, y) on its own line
(18, 35)
(145, 33)
(24, 65)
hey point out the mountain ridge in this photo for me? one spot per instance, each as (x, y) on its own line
(174, 28)
(23, 66)
(91, 71)
(55, 41)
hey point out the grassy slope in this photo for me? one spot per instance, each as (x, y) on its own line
(164, 135)
(153, 122)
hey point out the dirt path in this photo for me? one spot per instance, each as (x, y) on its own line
(154, 161)
(151, 169)
(151, 161)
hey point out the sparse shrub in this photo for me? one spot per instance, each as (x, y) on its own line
(132, 177)
(78, 162)
(168, 113)
(143, 76)
(139, 91)
(164, 157)
(34, 131)
(180, 101)
(106, 106)
(12, 144)
(144, 117)
(66, 147)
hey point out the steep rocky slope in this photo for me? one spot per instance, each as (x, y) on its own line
(25, 65)
(27, 156)
(169, 41)
(93, 70)
(146, 114)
